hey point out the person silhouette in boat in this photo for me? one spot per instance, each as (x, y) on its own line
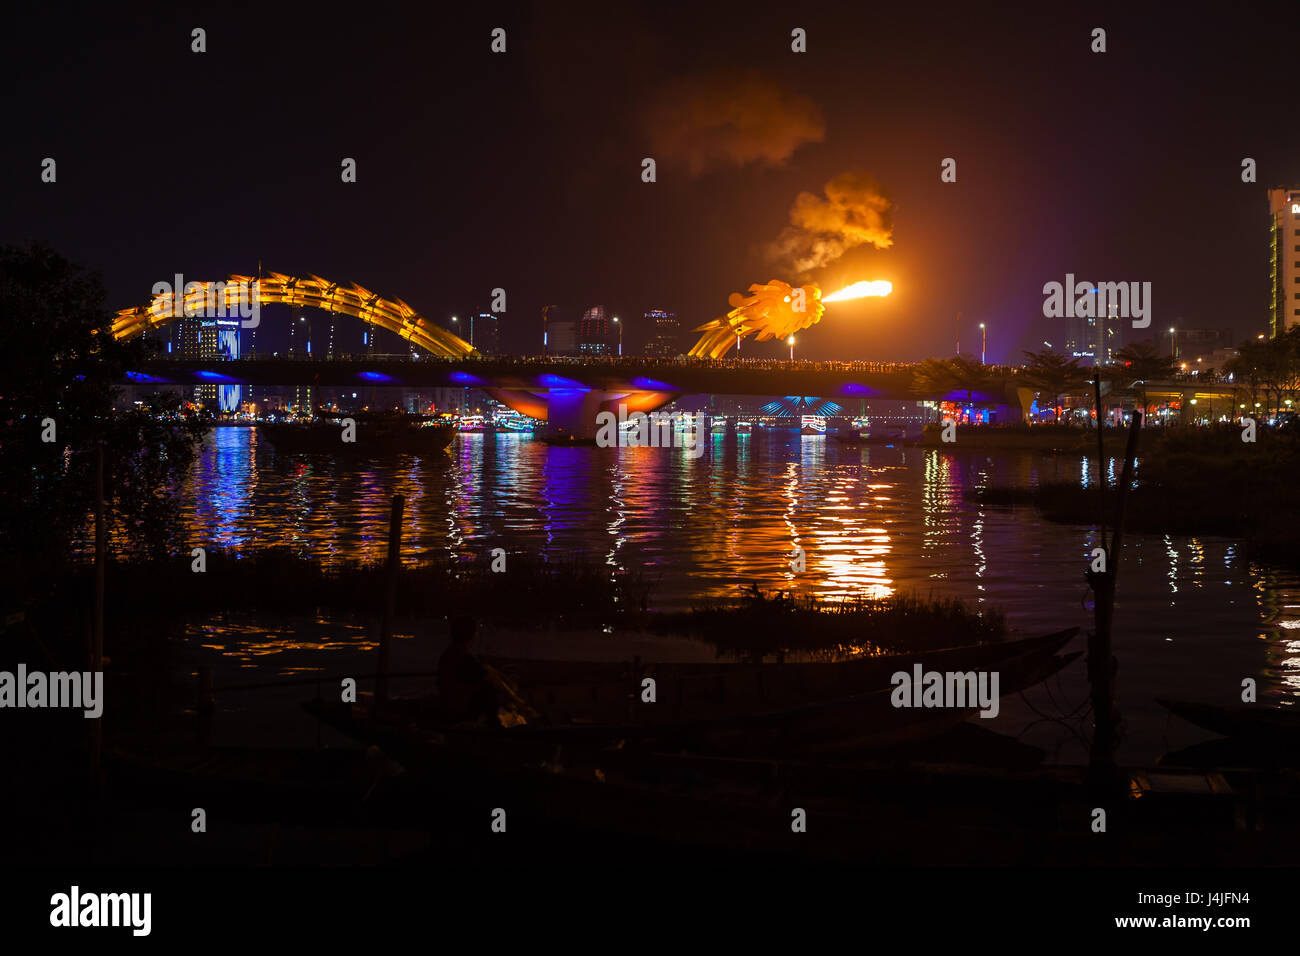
(465, 689)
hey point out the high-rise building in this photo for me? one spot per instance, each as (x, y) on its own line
(485, 332)
(1284, 258)
(228, 396)
(593, 332)
(1094, 340)
(204, 339)
(562, 337)
(300, 348)
(550, 315)
(1193, 342)
(666, 340)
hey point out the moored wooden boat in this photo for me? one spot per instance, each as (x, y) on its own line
(611, 692)
(767, 709)
(1255, 722)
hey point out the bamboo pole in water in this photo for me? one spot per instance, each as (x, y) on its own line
(97, 621)
(390, 596)
(1101, 460)
(1101, 660)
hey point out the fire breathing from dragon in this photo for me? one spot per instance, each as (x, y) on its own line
(774, 310)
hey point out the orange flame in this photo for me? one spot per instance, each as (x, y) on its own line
(860, 290)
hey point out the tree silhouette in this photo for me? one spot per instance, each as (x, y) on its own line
(1052, 375)
(938, 377)
(59, 365)
(1140, 363)
(1271, 366)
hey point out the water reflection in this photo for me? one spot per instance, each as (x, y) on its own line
(870, 520)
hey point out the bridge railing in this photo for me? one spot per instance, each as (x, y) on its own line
(585, 361)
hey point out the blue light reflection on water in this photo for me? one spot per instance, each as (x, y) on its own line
(1193, 617)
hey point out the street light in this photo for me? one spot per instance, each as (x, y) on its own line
(1173, 343)
(790, 342)
(984, 342)
(620, 336)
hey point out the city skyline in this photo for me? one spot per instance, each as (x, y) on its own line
(1023, 209)
(530, 441)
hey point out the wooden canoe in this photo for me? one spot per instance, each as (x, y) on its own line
(1255, 722)
(740, 718)
(598, 692)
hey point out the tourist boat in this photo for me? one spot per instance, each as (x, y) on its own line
(766, 709)
(373, 436)
(744, 428)
(718, 426)
(812, 425)
(475, 423)
(687, 425)
(511, 422)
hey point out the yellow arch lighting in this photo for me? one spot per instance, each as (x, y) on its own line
(314, 292)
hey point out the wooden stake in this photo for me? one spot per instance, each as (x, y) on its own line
(97, 621)
(390, 596)
(1103, 770)
(1101, 461)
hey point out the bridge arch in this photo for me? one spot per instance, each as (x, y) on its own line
(276, 288)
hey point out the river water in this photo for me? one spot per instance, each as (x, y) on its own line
(1193, 618)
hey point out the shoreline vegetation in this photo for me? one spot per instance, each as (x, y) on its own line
(778, 624)
(1189, 481)
(1065, 439)
(534, 594)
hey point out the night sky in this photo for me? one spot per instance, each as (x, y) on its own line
(522, 170)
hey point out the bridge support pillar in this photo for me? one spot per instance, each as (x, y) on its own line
(1024, 402)
(572, 411)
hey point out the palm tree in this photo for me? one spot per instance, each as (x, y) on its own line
(933, 377)
(968, 375)
(1139, 363)
(1053, 375)
(960, 374)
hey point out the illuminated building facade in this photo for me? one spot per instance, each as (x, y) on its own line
(300, 347)
(1284, 259)
(203, 339)
(593, 332)
(1094, 340)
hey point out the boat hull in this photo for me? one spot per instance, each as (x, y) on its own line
(1261, 724)
(771, 709)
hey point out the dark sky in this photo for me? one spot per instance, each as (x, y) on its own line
(522, 170)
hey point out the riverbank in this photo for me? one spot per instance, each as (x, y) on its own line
(1064, 439)
(530, 595)
(1191, 481)
(777, 624)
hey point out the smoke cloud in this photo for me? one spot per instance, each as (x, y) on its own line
(730, 119)
(853, 212)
